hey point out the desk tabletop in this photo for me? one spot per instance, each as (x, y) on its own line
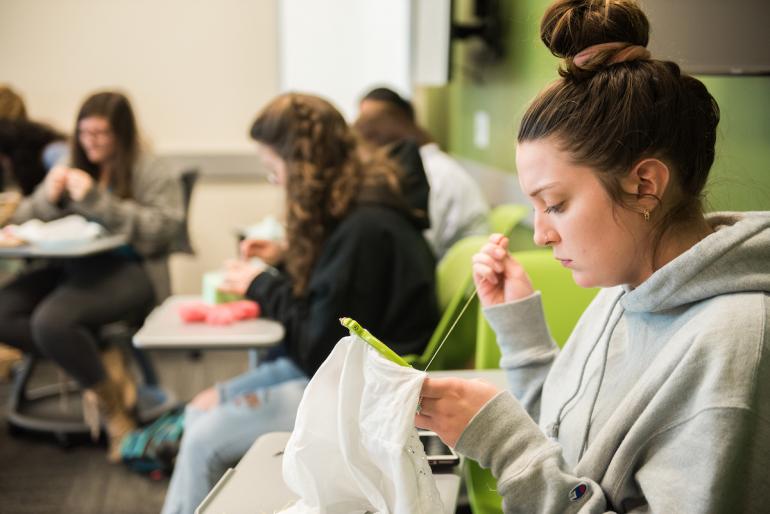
(164, 328)
(98, 245)
(256, 484)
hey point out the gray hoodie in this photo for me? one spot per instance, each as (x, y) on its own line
(152, 220)
(660, 399)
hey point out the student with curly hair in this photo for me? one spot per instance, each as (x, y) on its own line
(659, 400)
(354, 248)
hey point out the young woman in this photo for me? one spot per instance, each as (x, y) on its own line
(54, 307)
(353, 249)
(658, 402)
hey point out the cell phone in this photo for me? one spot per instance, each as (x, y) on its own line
(439, 454)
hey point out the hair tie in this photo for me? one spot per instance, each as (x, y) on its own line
(624, 52)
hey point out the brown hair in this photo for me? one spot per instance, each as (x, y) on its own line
(389, 124)
(610, 115)
(116, 108)
(325, 174)
(11, 104)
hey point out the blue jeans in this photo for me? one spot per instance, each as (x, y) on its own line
(215, 440)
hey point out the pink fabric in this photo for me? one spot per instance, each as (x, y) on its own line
(623, 52)
(222, 314)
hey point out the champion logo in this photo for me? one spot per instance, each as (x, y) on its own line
(578, 492)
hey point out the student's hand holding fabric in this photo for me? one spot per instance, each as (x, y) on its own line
(499, 278)
(206, 399)
(271, 252)
(447, 405)
(79, 183)
(239, 275)
(55, 183)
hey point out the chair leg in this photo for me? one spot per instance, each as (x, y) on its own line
(20, 380)
(145, 366)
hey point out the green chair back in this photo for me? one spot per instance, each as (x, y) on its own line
(563, 303)
(453, 288)
(504, 217)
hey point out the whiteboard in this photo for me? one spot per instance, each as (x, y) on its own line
(340, 49)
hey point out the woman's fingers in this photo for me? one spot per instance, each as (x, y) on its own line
(483, 258)
(436, 387)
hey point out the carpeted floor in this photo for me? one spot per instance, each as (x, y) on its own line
(38, 476)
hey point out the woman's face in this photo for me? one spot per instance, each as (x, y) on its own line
(275, 165)
(97, 139)
(600, 242)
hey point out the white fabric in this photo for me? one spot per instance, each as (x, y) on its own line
(69, 230)
(354, 448)
(456, 206)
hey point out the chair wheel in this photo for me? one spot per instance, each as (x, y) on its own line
(63, 440)
(13, 430)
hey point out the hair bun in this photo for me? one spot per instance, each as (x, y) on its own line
(570, 26)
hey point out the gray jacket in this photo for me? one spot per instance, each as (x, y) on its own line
(152, 220)
(660, 399)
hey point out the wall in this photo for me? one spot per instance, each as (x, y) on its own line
(739, 179)
(196, 70)
(340, 49)
(219, 207)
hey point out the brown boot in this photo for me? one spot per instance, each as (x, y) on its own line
(9, 357)
(117, 369)
(109, 397)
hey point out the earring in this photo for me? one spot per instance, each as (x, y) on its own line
(646, 214)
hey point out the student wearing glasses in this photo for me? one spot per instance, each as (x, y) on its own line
(54, 307)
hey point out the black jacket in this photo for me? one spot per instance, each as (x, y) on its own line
(376, 268)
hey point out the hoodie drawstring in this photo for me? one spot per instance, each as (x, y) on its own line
(553, 428)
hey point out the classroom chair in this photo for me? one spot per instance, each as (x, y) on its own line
(507, 219)
(503, 218)
(563, 303)
(453, 290)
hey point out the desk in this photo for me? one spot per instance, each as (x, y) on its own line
(98, 245)
(163, 328)
(255, 485)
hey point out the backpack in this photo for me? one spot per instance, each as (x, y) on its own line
(152, 449)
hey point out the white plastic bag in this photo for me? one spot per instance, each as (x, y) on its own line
(354, 448)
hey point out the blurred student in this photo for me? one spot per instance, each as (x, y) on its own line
(353, 248)
(54, 307)
(28, 150)
(12, 105)
(456, 206)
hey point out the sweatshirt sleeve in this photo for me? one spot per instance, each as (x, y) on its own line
(152, 220)
(527, 349)
(36, 206)
(677, 469)
(311, 322)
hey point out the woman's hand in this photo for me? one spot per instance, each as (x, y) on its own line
(55, 183)
(499, 278)
(238, 276)
(79, 183)
(206, 399)
(271, 252)
(447, 405)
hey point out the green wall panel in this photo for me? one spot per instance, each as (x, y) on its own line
(740, 178)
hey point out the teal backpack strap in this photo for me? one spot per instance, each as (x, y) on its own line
(365, 335)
